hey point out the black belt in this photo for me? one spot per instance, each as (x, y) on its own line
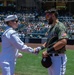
(54, 54)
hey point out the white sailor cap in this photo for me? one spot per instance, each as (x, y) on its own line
(10, 17)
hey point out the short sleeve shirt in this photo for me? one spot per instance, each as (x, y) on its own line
(59, 31)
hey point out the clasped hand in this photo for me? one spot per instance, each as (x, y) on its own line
(37, 50)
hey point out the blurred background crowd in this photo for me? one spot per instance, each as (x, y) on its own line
(34, 25)
(32, 22)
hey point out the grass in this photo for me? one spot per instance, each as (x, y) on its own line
(30, 64)
(70, 67)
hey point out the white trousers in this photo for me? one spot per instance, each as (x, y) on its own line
(58, 65)
(7, 68)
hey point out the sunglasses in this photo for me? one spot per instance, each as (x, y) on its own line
(15, 21)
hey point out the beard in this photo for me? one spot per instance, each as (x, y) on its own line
(50, 21)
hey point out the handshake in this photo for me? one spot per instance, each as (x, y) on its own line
(37, 50)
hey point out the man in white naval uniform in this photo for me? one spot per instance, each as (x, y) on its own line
(11, 43)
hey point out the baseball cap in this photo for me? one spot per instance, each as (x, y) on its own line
(10, 17)
(52, 10)
(46, 62)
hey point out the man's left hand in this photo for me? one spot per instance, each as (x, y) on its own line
(45, 54)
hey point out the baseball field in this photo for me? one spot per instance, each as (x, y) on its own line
(30, 64)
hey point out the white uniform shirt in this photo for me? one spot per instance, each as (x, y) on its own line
(11, 43)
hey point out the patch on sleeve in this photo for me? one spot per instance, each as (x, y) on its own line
(64, 34)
